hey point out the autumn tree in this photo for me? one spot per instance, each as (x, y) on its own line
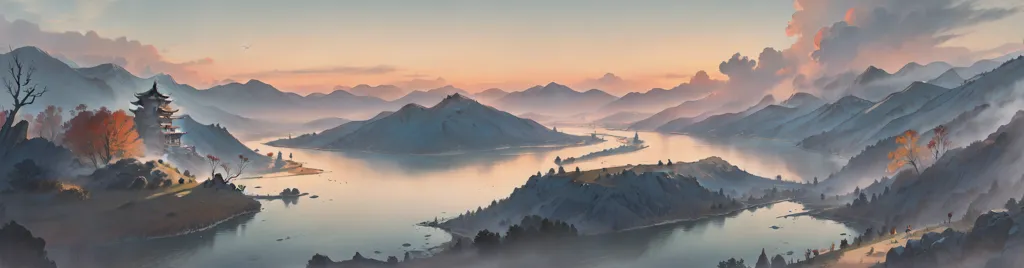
(940, 141)
(909, 152)
(21, 86)
(47, 124)
(243, 162)
(103, 135)
(214, 163)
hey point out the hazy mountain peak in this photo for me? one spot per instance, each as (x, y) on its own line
(800, 99)
(871, 74)
(910, 67)
(254, 82)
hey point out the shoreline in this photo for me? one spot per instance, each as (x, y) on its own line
(705, 217)
(201, 229)
(449, 153)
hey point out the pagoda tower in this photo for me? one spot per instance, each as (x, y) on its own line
(154, 121)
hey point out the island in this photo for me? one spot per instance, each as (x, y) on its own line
(456, 124)
(628, 145)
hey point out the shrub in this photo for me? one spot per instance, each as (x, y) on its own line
(166, 183)
(73, 194)
(181, 180)
(138, 183)
(26, 175)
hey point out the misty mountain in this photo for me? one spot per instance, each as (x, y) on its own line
(456, 123)
(429, 97)
(686, 109)
(554, 99)
(658, 99)
(620, 119)
(710, 124)
(822, 119)
(948, 79)
(761, 122)
(490, 95)
(997, 85)
(851, 134)
(216, 140)
(384, 92)
(64, 86)
(324, 138)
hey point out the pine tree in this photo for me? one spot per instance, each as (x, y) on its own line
(762, 261)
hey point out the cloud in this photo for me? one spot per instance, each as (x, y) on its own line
(332, 70)
(886, 33)
(91, 49)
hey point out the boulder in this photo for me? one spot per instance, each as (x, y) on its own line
(138, 183)
(990, 232)
(18, 133)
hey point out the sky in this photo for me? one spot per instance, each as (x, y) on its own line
(620, 46)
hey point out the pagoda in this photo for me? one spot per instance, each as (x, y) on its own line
(154, 121)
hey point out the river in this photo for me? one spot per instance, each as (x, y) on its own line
(370, 203)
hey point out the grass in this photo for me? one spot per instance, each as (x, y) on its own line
(116, 215)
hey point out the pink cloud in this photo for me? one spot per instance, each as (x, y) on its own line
(91, 49)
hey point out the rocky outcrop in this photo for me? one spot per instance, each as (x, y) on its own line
(992, 242)
(17, 134)
(989, 232)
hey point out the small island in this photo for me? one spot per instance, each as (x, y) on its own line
(627, 146)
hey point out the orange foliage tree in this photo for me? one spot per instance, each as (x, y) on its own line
(909, 152)
(940, 141)
(102, 135)
(47, 124)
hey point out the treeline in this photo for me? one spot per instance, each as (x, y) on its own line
(531, 229)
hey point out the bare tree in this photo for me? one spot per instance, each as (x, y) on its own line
(20, 86)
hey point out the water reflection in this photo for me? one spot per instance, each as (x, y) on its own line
(162, 252)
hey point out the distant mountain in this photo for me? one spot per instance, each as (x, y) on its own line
(948, 79)
(822, 119)
(712, 123)
(65, 87)
(384, 92)
(620, 119)
(325, 123)
(324, 138)
(686, 109)
(658, 99)
(874, 83)
(456, 123)
(215, 140)
(554, 99)
(999, 84)
(429, 97)
(870, 75)
(761, 122)
(490, 95)
(850, 135)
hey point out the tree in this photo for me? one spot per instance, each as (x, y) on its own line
(48, 123)
(19, 248)
(908, 152)
(940, 141)
(289, 156)
(578, 170)
(669, 162)
(822, 196)
(558, 159)
(1011, 205)
(561, 171)
(214, 163)
(778, 177)
(551, 171)
(22, 89)
(762, 261)
(102, 135)
(732, 263)
(243, 162)
(778, 261)
(815, 181)
(660, 163)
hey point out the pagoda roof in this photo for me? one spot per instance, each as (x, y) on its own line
(152, 92)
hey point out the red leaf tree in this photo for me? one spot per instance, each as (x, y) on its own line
(102, 135)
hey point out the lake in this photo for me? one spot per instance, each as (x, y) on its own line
(370, 203)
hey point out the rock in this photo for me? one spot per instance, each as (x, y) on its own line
(989, 232)
(315, 196)
(406, 245)
(18, 134)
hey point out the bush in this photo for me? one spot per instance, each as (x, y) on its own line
(26, 175)
(73, 194)
(138, 183)
(181, 180)
(166, 183)
(187, 173)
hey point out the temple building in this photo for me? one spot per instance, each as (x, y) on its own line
(154, 121)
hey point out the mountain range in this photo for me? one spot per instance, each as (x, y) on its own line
(456, 124)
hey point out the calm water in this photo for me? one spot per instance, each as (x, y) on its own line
(370, 202)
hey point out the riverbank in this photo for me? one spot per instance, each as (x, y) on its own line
(112, 216)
